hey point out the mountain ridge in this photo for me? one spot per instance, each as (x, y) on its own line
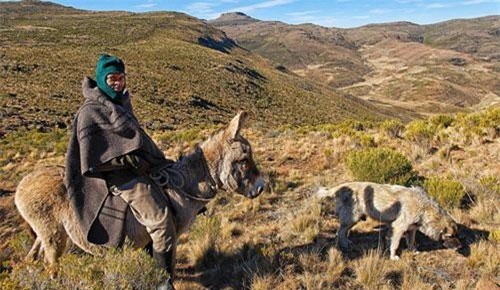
(338, 57)
(186, 71)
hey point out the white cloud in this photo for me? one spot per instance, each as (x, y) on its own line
(303, 13)
(265, 4)
(148, 4)
(205, 10)
(379, 11)
(201, 7)
(408, 1)
(475, 2)
(437, 6)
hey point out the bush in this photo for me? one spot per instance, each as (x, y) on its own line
(381, 165)
(490, 184)
(441, 121)
(446, 191)
(480, 124)
(392, 128)
(420, 132)
(305, 224)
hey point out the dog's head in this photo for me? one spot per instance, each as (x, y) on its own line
(448, 235)
(439, 226)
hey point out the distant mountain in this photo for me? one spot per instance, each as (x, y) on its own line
(479, 37)
(442, 67)
(233, 18)
(182, 72)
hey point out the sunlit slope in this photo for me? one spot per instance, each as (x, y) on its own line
(181, 72)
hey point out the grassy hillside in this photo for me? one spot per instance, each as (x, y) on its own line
(444, 67)
(321, 54)
(287, 239)
(479, 36)
(184, 70)
(187, 78)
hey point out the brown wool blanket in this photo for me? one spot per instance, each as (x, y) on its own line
(102, 131)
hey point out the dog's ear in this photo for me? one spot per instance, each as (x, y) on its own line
(234, 127)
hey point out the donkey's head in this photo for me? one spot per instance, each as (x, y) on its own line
(231, 162)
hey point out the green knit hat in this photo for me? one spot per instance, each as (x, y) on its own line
(106, 65)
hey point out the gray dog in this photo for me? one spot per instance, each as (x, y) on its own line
(405, 209)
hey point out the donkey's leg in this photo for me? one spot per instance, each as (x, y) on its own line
(54, 245)
(35, 250)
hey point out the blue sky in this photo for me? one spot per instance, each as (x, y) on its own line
(329, 13)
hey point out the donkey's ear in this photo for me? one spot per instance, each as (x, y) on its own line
(233, 129)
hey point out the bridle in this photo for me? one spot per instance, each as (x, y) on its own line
(173, 177)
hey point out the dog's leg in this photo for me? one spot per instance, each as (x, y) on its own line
(397, 233)
(344, 242)
(410, 239)
(345, 226)
(348, 217)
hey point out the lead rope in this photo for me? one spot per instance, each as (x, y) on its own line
(170, 176)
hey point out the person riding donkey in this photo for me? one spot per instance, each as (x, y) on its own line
(108, 163)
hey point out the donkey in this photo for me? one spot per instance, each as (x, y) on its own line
(222, 161)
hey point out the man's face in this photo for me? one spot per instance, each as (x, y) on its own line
(116, 81)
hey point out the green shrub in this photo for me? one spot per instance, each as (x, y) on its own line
(480, 123)
(490, 183)
(345, 128)
(441, 121)
(381, 165)
(420, 132)
(392, 128)
(446, 191)
(365, 140)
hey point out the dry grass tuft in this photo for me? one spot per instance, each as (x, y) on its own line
(484, 258)
(263, 282)
(117, 269)
(371, 270)
(306, 224)
(336, 264)
(203, 240)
